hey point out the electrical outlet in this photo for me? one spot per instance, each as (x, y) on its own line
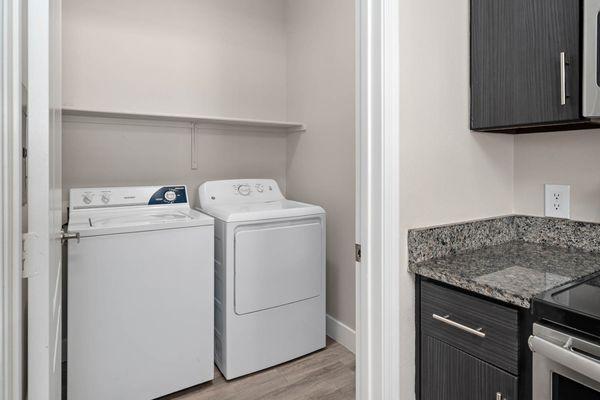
(557, 200)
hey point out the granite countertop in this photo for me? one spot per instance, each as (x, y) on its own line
(511, 259)
(513, 272)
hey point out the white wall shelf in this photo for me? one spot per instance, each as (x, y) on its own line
(232, 122)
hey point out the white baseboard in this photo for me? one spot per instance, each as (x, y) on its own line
(341, 333)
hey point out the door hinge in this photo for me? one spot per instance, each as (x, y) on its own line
(64, 236)
(28, 244)
(357, 252)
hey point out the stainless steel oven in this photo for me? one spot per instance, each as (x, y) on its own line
(565, 367)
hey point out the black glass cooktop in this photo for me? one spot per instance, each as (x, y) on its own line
(575, 306)
(584, 297)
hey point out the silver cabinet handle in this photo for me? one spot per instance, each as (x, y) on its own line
(446, 319)
(563, 79)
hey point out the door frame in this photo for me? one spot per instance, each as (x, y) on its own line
(377, 195)
(378, 199)
(11, 316)
(43, 263)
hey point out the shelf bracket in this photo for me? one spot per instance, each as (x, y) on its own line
(194, 149)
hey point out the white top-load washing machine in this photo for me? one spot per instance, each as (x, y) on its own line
(269, 275)
(140, 293)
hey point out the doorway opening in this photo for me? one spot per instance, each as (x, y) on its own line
(205, 91)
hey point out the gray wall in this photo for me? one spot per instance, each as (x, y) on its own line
(321, 165)
(188, 57)
(202, 57)
(563, 157)
(230, 58)
(112, 152)
(448, 174)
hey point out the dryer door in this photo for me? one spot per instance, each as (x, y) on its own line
(277, 264)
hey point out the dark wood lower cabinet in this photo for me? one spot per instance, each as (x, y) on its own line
(451, 374)
(499, 347)
(470, 347)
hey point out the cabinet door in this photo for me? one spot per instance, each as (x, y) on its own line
(450, 374)
(516, 48)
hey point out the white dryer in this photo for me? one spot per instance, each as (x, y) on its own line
(140, 293)
(269, 275)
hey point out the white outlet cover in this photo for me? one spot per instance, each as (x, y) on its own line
(557, 201)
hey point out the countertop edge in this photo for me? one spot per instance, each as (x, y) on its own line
(470, 286)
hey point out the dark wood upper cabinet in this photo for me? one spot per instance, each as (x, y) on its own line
(526, 65)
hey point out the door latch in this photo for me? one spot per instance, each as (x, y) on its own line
(357, 252)
(29, 268)
(64, 236)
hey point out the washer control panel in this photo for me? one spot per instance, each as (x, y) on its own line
(239, 191)
(169, 195)
(127, 196)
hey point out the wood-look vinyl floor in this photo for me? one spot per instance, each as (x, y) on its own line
(325, 375)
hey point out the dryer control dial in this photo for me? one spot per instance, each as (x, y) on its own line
(260, 188)
(244, 189)
(105, 198)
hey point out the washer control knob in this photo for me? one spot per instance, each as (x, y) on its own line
(244, 189)
(170, 195)
(87, 198)
(105, 198)
(260, 188)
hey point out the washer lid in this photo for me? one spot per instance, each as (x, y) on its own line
(110, 210)
(105, 222)
(260, 211)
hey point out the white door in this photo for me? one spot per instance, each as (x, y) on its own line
(43, 256)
